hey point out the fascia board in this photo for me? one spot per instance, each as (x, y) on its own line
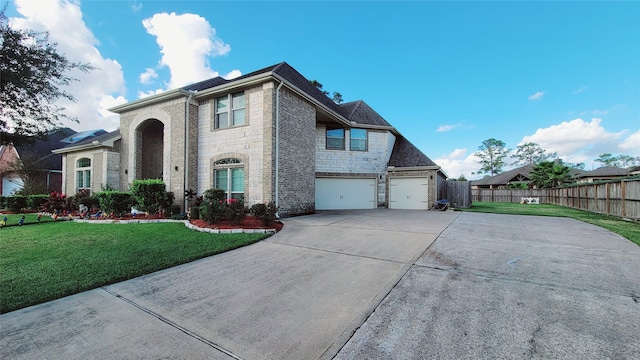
(149, 100)
(92, 145)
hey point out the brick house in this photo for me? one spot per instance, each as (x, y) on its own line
(269, 135)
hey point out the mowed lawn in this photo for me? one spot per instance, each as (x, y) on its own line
(628, 229)
(43, 262)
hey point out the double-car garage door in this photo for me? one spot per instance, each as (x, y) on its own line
(361, 193)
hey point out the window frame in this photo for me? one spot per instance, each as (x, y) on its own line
(83, 174)
(229, 166)
(366, 139)
(231, 109)
(327, 137)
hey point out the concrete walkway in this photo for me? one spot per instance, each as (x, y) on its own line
(364, 285)
(298, 295)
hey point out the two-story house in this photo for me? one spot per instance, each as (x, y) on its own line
(269, 135)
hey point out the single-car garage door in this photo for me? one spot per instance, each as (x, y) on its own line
(341, 193)
(409, 193)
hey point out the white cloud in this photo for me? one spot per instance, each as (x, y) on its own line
(631, 145)
(233, 74)
(104, 85)
(576, 140)
(445, 128)
(148, 76)
(536, 96)
(581, 90)
(186, 42)
(144, 94)
(458, 163)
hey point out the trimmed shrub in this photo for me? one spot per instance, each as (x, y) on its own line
(264, 212)
(57, 202)
(16, 203)
(213, 206)
(150, 195)
(116, 202)
(235, 211)
(36, 201)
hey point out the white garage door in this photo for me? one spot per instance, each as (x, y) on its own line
(335, 194)
(409, 193)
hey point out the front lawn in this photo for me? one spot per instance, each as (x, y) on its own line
(48, 261)
(629, 230)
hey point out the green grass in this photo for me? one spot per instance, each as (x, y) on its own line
(630, 230)
(48, 261)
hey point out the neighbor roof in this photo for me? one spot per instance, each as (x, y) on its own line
(606, 171)
(506, 177)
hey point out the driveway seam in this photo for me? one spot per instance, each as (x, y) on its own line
(339, 252)
(488, 275)
(172, 324)
(405, 270)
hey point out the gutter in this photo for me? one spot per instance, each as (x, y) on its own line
(186, 149)
(277, 188)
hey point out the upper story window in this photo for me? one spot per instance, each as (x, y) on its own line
(335, 139)
(83, 174)
(358, 140)
(229, 111)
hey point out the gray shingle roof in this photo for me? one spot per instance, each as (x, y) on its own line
(506, 177)
(405, 154)
(361, 113)
(606, 171)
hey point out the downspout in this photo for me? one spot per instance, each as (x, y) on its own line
(277, 188)
(186, 151)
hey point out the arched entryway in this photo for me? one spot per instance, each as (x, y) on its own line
(150, 149)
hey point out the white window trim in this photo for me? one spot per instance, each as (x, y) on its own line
(84, 170)
(229, 165)
(229, 111)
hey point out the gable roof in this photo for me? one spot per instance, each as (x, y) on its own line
(361, 113)
(405, 154)
(42, 149)
(611, 171)
(506, 177)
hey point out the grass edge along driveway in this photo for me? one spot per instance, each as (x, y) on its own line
(44, 262)
(627, 229)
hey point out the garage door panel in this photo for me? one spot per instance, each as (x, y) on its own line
(409, 193)
(340, 193)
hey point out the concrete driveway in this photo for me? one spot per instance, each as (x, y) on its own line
(364, 284)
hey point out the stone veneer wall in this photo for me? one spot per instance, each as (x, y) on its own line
(104, 169)
(245, 142)
(171, 114)
(297, 154)
(341, 162)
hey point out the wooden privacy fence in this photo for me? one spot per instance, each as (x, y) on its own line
(457, 192)
(617, 198)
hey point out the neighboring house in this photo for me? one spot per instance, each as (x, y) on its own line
(503, 180)
(269, 135)
(50, 163)
(520, 175)
(607, 173)
(10, 182)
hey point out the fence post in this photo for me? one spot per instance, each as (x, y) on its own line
(608, 202)
(622, 195)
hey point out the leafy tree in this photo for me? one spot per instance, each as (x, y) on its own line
(461, 178)
(32, 77)
(337, 97)
(531, 153)
(548, 174)
(621, 161)
(492, 153)
(580, 166)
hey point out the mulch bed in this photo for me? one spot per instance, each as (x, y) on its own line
(249, 222)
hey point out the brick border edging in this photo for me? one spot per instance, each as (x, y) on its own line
(185, 222)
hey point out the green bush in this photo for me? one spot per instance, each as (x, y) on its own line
(150, 195)
(264, 212)
(16, 203)
(174, 210)
(3, 202)
(235, 211)
(213, 206)
(117, 202)
(35, 202)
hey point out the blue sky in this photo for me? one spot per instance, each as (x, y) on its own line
(447, 75)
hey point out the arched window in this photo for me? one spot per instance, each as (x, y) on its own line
(228, 175)
(83, 174)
